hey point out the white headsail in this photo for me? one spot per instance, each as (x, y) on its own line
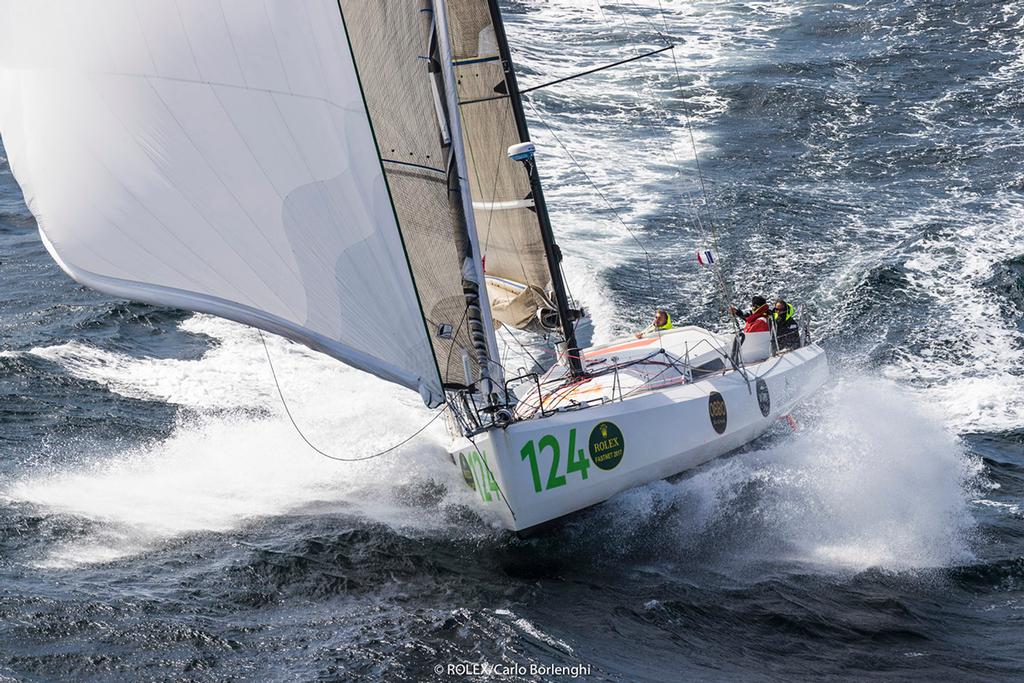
(220, 156)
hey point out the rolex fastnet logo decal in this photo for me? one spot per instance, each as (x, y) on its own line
(607, 445)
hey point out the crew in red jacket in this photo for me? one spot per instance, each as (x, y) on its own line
(757, 319)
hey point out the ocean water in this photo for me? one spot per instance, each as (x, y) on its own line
(161, 520)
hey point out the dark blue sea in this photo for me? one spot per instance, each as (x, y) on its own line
(161, 520)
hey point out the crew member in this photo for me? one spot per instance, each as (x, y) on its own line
(757, 319)
(787, 330)
(662, 321)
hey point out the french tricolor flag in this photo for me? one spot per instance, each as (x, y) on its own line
(705, 257)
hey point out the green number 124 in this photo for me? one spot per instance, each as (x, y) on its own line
(578, 461)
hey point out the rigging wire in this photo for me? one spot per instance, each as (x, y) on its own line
(439, 413)
(686, 118)
(712, 229)
(288, 412)
(611, 207)
(533, 359)
(594, 70)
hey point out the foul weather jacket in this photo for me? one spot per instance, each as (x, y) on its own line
(786, 328)
(756, 320)
(659, 328)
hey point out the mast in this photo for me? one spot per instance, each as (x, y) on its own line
(553, 253)
(473, 270)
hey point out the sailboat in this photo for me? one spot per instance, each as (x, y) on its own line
(358, 177)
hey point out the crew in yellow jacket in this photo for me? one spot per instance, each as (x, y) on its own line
(662, 322)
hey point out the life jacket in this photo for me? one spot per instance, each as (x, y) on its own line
(786, 318)
(667, 325)
(757, 321)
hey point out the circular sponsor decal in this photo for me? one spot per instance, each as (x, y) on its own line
(606, 445)
(764, 399)
(467, 473)
(717, 412)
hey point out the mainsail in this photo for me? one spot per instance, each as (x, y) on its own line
(503, 202)
(224, 157)
(511, 218)
(396, 54)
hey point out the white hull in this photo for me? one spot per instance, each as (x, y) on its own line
(625, 443)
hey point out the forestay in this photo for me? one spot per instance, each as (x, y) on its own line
(219, 157)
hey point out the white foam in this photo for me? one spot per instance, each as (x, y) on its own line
(530, 629)
(233, 374)
(968, 351)
(225, 377)
(223, 467)
(216, 474)
(873, 481)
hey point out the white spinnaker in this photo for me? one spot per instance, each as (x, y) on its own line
(213, 155)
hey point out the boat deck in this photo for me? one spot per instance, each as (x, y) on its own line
(630, 367)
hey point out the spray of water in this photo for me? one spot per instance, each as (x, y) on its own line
(234, 457)
(872, 479)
